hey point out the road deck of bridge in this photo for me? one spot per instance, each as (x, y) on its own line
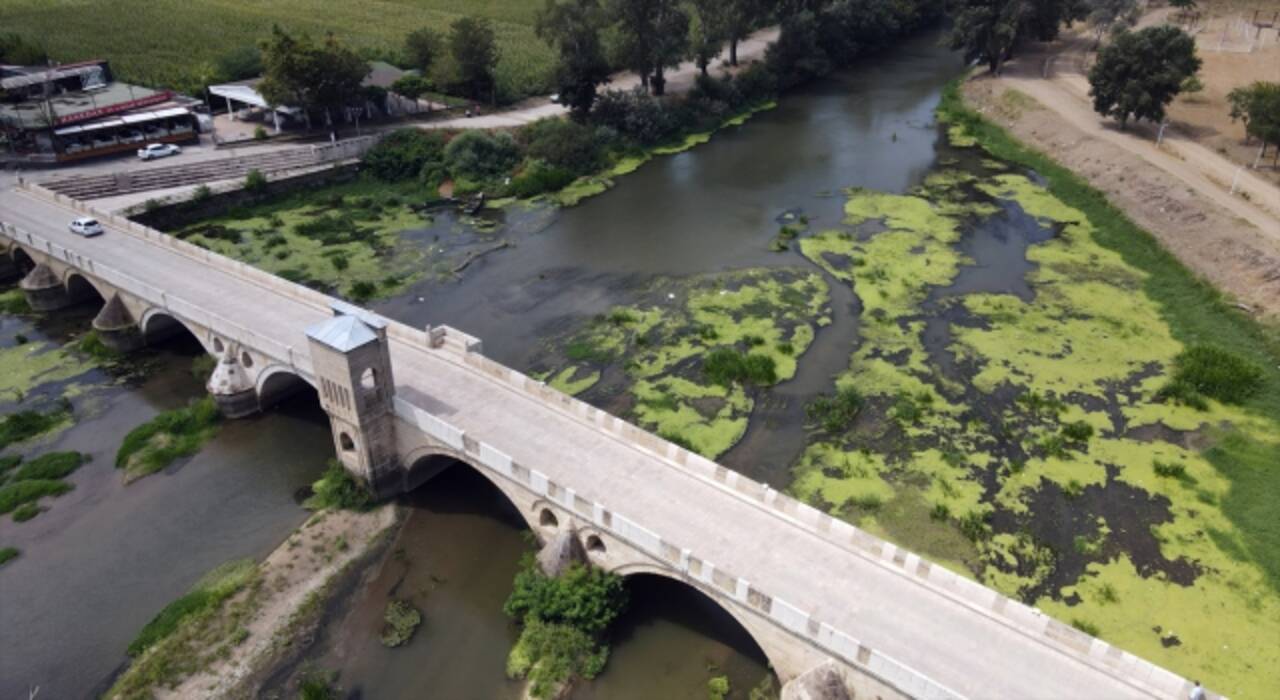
(941, 637)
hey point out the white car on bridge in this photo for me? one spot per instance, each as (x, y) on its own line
(86, 227)
(158, 150)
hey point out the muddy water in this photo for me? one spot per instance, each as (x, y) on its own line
(105, 558)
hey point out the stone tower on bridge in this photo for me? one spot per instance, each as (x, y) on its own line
(352, 364)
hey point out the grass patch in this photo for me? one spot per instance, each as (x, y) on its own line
(25, 512)
(202, 366)
(16, 493)
(209, 592)
(337, 489)
(51, 465)
(24, 425)
(8, 554)
(169, 436)
(1085, 626)
(91, 344)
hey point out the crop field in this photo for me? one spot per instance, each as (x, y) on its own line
(160, 42)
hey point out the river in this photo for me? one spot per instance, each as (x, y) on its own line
(106, 557)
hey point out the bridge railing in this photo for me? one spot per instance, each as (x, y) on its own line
(790, 617)
(173, 305)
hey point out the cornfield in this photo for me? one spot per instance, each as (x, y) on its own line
(176, 42)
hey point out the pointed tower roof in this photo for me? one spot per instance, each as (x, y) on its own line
(342, 333)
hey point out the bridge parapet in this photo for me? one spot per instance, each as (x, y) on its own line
(681, 559)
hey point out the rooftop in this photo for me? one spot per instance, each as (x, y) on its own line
(83, 105)
(342, 333)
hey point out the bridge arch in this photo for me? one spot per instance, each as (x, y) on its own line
(158, 324)
(82, 288)
(277, 382)
(425, 463)
(753, 627)
(22, 258)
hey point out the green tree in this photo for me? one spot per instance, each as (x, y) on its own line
(986, 30)
(475, 51)
(1258, 106)
(740, 17)
(1139, 74)
(671, 41)
(649, 36)
(573, 28)
(299, 72)
(1106, 16)
(239, 63)
(706, 31)
(423, 47)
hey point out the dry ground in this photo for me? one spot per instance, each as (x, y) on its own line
(1213, 241)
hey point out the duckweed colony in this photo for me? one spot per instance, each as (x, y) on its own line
(1035, 438)
(689, 358)
(344, 239)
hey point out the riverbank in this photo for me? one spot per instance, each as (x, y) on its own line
(1213, 242)
(229, 651)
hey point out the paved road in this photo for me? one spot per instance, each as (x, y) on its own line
(950, 642)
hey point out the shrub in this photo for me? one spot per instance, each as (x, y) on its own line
(1079, 431)
(585, 598)
(201, 194)
(634, 114)
(339, 490)
(259, 133)
(479, 156)
(974, 526)
(725, 366)
(7, 463)
(564, 144)
(363, 291)
(1214, 372)
(25, 512)
(539, 177)
(404, 153)
(718, 688)
(7, 554)
(255, 182)
(401, 619)
(1170, 470)
(835, 413)
(1085, 626)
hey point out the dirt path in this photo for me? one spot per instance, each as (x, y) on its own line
(1066, 92)
(1213, 240)
(679, 80)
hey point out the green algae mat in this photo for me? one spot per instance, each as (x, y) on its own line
(1014, 421)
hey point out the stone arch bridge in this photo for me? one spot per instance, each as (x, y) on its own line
(833, 608)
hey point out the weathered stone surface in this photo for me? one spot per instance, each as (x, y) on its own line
(822, 682)
(113, 316)
(231, 387)
(40, 277)
(43, 289)
(560, 553)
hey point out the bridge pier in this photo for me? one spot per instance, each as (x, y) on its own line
(44, 291)
(117, 327)
(232, 389)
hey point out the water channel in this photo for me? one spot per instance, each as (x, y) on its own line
(106, 557)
